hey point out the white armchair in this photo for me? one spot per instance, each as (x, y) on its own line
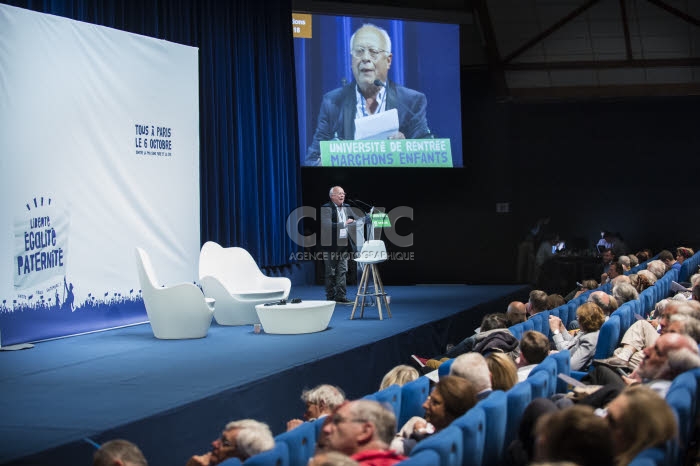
(176, 312)
(234, 280)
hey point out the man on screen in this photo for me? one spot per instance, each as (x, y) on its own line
(369, 94)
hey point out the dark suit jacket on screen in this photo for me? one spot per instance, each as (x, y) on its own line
(336, 118)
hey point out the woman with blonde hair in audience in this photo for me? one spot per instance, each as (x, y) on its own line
(582, 346)
(399, 375)
(639, 419)
(504, 373)
(451, 397)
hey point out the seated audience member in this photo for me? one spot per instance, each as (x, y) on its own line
(624, 262)
(669, 260)
(399, 375)
(504, 373)
(643, 280)
(643, 256)
(451, 398)
(118, 453)
(574, 434)
(554, 301)
(240, 439)
(363, 430)
(624, 292)
(534, 347)
(331, 458)
(493, 334)
(473, 367)
(615, 270)
(639, 419)
(536, 303)
(657, 267)
(585, 285)
(581, 346)
(520, 452)
(671, 354)
(605, 302)
(641, 334)
(320, 401)
(634, 260)
(516, 313)
(622, 279)
(685, 325)
(683, 253)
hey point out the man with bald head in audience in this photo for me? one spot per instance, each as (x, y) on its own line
(516, 313)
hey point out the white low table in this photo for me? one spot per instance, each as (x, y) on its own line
(303, 317)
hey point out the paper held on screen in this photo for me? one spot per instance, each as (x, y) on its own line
(378, 126)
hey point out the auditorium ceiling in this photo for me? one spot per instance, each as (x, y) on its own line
(556, 48)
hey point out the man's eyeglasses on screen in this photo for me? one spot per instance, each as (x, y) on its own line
(359, 52)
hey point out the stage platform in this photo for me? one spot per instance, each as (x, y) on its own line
(172, 398)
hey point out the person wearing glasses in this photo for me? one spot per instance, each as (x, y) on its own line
(240, 439)
(363, 430)
(338, 239)
(370, 93)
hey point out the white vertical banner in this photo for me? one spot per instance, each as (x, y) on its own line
(99, 154)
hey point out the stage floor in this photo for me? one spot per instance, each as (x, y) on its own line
(173, 397)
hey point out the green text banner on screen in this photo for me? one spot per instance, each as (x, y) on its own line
(387, 153)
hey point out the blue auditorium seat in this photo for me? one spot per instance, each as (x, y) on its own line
(413, 395)
(389, 396)
(447, 444)
(318, 425)
(528, 325)
(301, 443)
(517, 330)
(572, 306)
(518, 398)
(545, 389)
(647, 301)
(495, 408)
(681, 397)
(689, 267)
(472, 425)
(422, 458)
(563, 361)
(625, 313)
(444, 368)
(650, 457)
(278, 456)
(540, 322)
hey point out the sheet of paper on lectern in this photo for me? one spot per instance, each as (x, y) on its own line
(378, 126)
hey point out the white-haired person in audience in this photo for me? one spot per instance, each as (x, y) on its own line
(643, 280)
(239, 439)
(451, 398)
(581, 346)
(624, 292)
(534, 348)
(363, 430)
(605, 302)
(399, 375)
(474, 368)
(641, 334)
(657, 267)
(624, 262)
(621, 279)
(671, 355)
(634, 260)
(119, 452)
(320, 401)
(685, 325)
(639, 419)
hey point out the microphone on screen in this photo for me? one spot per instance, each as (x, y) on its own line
(378, 83)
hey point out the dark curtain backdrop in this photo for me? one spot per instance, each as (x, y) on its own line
(249, 173)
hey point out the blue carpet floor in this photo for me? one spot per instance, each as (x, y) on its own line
(173, 397)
